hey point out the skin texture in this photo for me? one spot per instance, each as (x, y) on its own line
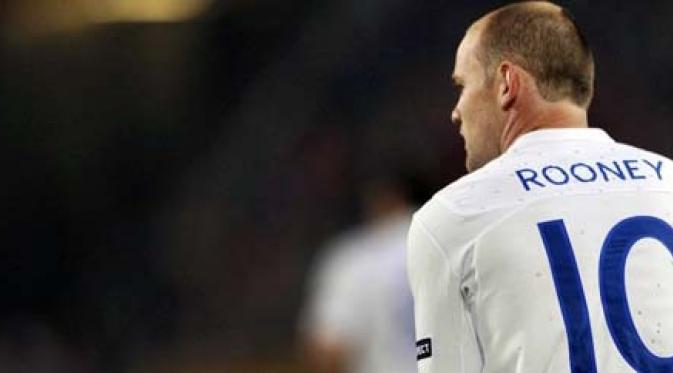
(493, 113)
(476, 112)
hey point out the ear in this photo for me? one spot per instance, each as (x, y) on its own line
(509, 84)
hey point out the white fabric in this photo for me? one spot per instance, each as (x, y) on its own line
(360, 298)
(480, 275)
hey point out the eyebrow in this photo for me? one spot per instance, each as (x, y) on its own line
(457, 81)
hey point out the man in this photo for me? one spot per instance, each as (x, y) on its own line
(359, 312)
(555, 254)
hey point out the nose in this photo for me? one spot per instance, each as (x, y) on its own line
(455, 117)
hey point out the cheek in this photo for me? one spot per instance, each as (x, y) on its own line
(473, 100)
(482, 108)
(472, 109)
(479, 118)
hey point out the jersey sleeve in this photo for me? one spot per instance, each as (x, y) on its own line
(443, 325)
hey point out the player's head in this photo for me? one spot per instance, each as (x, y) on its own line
(513, 61)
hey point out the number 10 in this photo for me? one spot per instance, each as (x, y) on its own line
(612, 264)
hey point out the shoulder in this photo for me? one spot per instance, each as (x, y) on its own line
(492, 187)
(339, 258)
(353, 252)
(634, 150)
(456, 215)
(652, 170)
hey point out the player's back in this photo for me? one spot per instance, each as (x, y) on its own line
(563, 248)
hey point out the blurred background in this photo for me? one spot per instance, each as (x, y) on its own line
(171, 168)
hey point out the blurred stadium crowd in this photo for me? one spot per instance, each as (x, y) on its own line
(171, 171)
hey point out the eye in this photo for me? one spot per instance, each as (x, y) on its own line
(457, 91)
(458, 87)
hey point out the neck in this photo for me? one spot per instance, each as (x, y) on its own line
(547, 115)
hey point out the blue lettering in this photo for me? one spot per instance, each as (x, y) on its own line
(591, 178)
(617, 171)
(624, 170)
(531, 178)
(545, 173)
(657, 168)
(631, 168)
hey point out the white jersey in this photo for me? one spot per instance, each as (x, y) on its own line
(555, 257)
(360, 298)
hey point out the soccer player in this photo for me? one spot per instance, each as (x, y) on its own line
(358, 316)
(555, 254)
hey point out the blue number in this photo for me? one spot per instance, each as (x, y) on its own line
(612, 266)
(571, 296)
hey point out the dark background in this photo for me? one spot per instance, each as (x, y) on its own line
(165, 185)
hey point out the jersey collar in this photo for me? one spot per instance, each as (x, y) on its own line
(560, 134)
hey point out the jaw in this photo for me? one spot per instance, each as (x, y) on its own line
(488, 149)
